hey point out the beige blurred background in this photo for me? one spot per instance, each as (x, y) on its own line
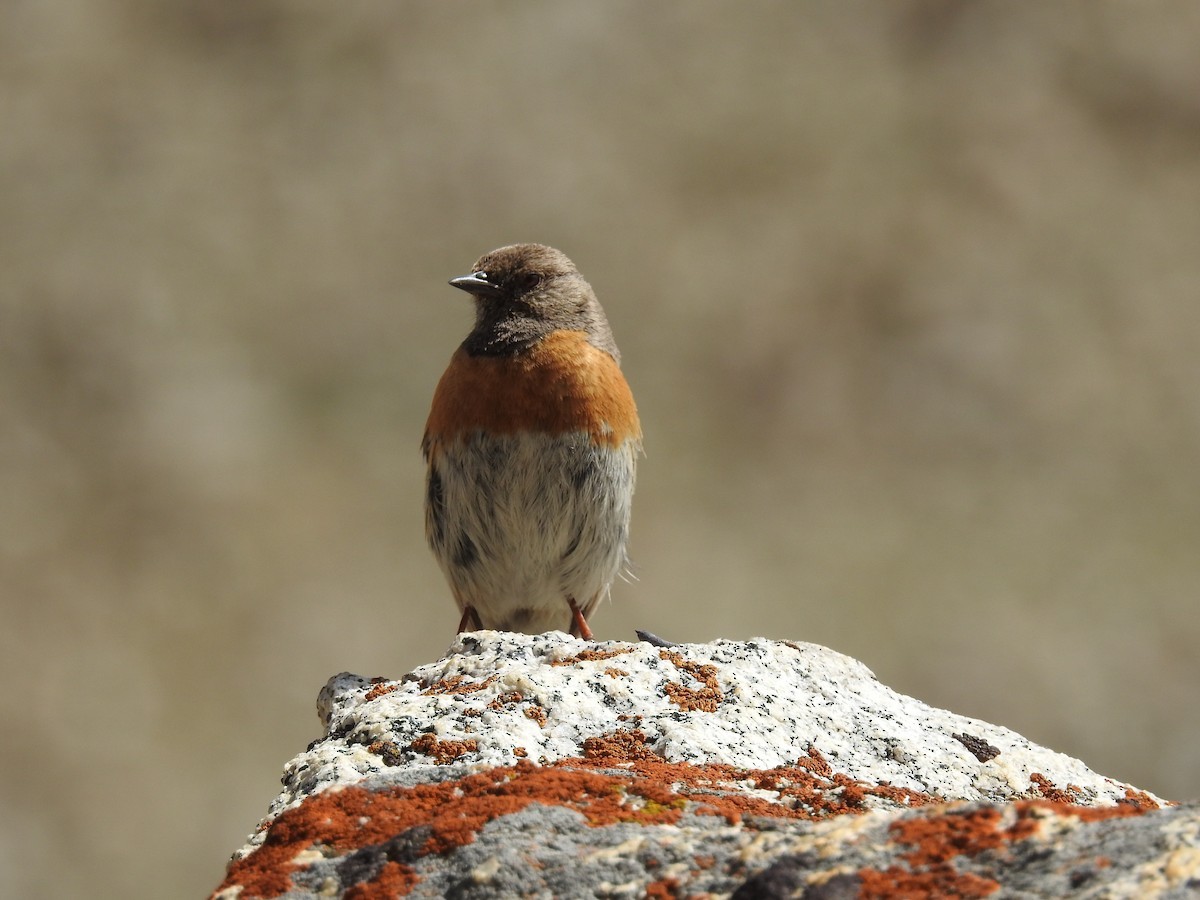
(909, 295)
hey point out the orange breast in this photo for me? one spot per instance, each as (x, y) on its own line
(561, 384)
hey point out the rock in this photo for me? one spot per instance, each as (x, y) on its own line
(547, 766)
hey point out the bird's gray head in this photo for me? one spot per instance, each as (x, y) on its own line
(524, 292)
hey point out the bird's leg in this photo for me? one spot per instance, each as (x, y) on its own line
(469, 615)
(579, 625)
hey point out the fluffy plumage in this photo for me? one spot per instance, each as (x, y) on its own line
(531, 445)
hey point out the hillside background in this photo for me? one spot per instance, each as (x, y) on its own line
(909, 295)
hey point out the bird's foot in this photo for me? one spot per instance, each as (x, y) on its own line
(469, 621)
(579, 625)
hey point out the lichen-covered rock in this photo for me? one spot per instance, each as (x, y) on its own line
(545, 766)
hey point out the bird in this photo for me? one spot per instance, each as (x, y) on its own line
(531, 450)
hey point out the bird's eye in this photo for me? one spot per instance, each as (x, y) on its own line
(529, 281)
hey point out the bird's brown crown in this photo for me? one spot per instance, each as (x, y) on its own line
(519, 268)
(525, 292)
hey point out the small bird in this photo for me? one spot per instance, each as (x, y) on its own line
(531, 448)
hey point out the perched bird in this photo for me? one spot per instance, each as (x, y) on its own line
(531, 447)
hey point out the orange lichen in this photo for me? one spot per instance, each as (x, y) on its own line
(618, 747)
(815, 762)
(454, 812)
(649, 790)
(1139, 800)
(938, 839)
(537, 714)
(591, 656)
(1046, 788)
(443, 751)
(1123, 809)
(895, 883)
(801, 793)
(379, 690)
(457, 684)
(394, 880)
(704, 699)
(663, 889)
(508, 698)
(613, 672)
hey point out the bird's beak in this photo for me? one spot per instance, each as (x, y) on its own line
(476, 283)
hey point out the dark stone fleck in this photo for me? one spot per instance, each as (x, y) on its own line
(980, 749)
(1081, 876)
(782, 878)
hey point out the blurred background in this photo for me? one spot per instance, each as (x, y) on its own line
(907, 292)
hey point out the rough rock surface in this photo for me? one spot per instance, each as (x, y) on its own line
(545, 766)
